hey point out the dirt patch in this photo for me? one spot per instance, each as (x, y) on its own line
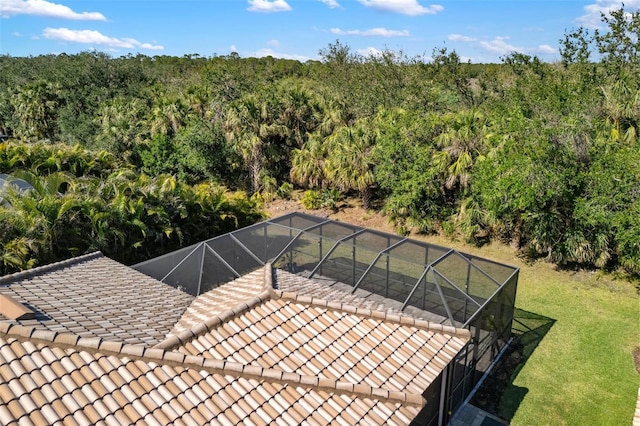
(636, 358)
(348, 211)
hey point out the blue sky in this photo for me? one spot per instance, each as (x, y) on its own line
(480, 31)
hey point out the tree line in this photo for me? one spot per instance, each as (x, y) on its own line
(544, 156)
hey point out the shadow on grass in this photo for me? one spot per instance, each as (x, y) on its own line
(498, 395)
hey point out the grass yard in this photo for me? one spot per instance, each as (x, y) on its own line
(581, 372)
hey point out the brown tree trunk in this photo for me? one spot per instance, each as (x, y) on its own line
(367, 196)
(516, 236)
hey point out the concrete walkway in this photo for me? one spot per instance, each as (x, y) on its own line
(470, 415)
(636, 416)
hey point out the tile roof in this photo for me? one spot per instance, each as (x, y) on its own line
(332, 341)
(328, 289)
(95, 296)
(242, 353)
(221, 299)
(44, 381)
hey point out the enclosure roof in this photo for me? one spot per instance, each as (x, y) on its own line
(94, 296)
(454, 284)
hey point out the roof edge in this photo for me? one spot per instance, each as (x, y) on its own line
(379, 315)
(49, 267)
(177, 359)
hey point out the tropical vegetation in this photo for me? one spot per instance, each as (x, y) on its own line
(141, 153)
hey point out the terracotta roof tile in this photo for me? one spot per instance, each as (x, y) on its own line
(309, 339)
(246, 353)
(95, 296)
(221, 299)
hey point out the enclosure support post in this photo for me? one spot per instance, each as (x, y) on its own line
(443, 395)
(466, 301)
(204, 250)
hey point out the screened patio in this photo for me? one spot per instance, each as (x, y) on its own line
(458, 289)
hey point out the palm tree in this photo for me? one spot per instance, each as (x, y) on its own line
(621, 106)
(349, 164)
(331, 114)
(250, 127)
(167, 116)
(38, 224)
(461, 142)
(299, 108)
(198, 100)
(35, 107)
(121, 124)
(308, 163)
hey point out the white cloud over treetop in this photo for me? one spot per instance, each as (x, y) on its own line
(369, 52)
(545, 48)
(268, 6)
(405, 7)
(500, 46)
(95, 37)
(268, 52)
(373, 32)
(593, 16)
(44, 8)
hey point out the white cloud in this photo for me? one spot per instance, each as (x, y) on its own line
(369, 51)
(268, 6)
(459, 37)
(95, 37)
(273, 43)
(545, 48)
(500, 46)
(16, 34)
(373, 32)
(268, 52)
(233, 48)
(44, 8)
(331, 3)
(592, 18)
(405, 7)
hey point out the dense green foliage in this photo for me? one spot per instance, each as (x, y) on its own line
(543, 155)
(83, 201)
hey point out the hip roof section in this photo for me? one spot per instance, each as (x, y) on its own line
(100, 351)
(47, 383)
(94, 296)
(330, 340)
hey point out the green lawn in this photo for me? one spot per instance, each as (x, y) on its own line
(582, 371)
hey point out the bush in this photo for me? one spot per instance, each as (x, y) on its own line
(326, 198)
(311, 199)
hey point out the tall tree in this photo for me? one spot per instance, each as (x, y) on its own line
(35, 105)
(250, 127)
(349, 165)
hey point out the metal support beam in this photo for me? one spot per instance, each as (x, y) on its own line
(181, 262)
(332, 249)
(224, 262)
(380, 253)
(249, 252)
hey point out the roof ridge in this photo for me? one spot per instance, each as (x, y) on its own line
(49, 267)
(379, 315)
(167, 357)
(208, 324)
